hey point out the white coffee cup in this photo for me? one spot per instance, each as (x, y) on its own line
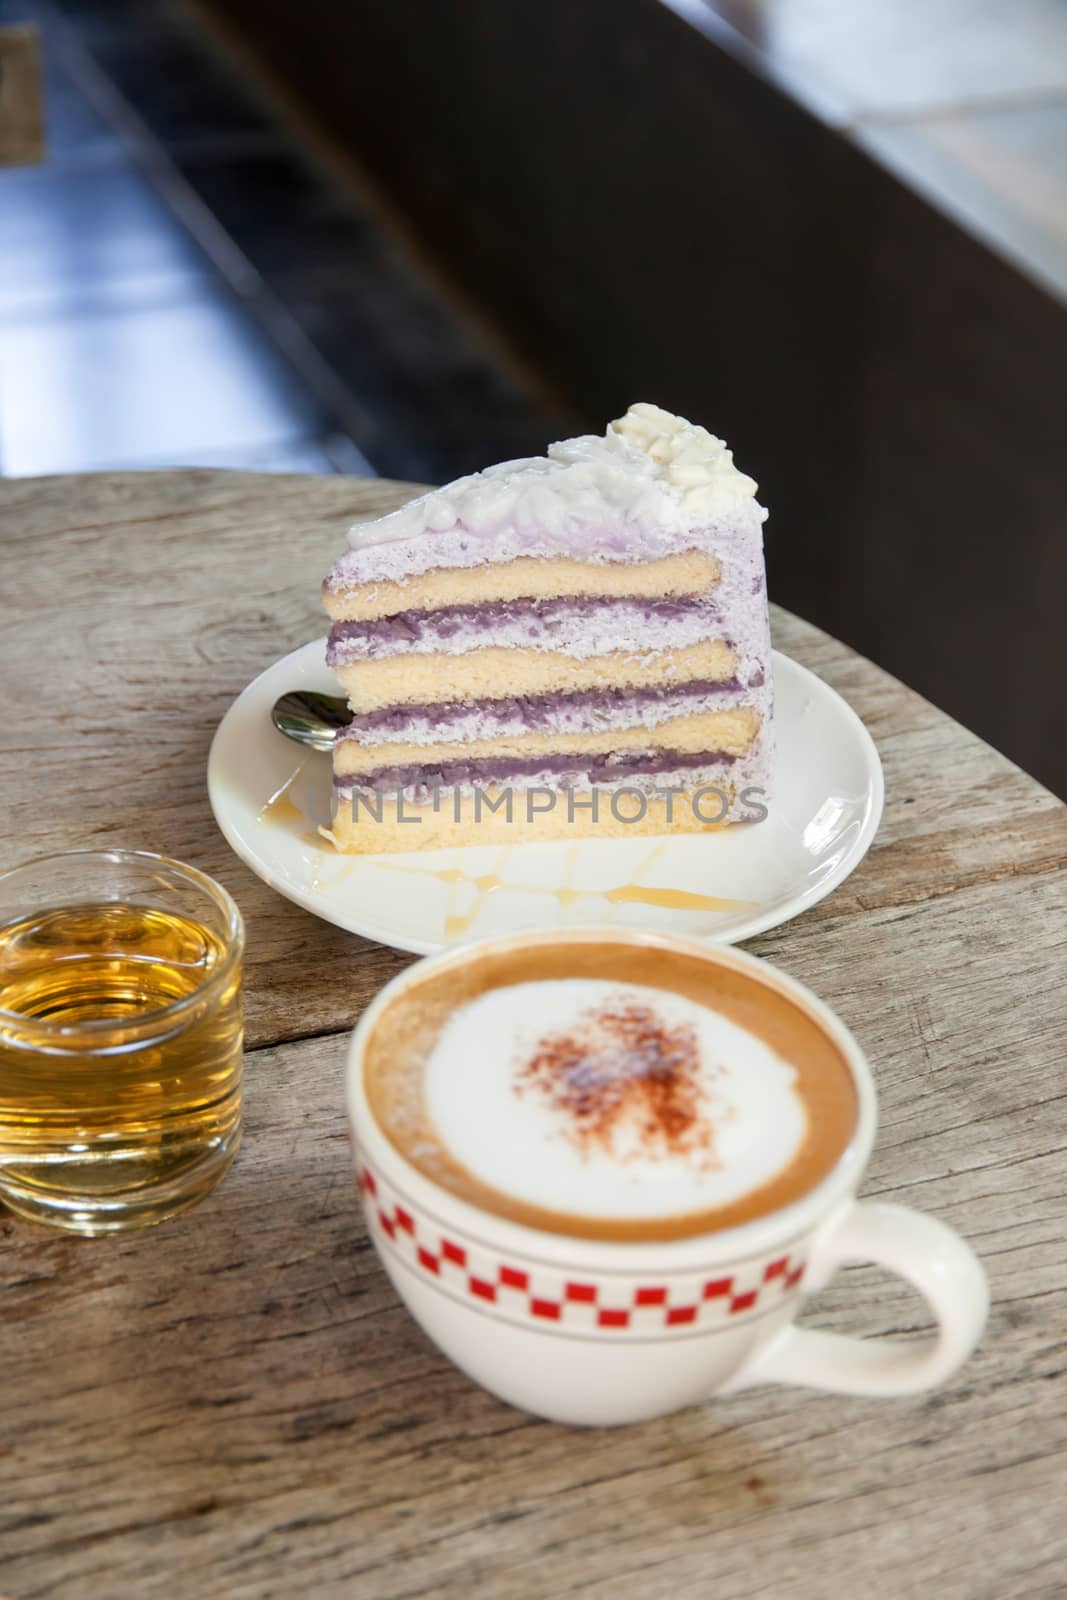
(601, 1332)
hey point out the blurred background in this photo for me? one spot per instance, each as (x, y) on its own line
(416, 238)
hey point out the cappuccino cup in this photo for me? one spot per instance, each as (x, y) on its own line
(603, 1169)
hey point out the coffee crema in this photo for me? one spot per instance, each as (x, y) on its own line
(610, 1090)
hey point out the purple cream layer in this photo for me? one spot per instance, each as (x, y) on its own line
(748, 775)
(586, 711)
(572, 625)
(615, 768)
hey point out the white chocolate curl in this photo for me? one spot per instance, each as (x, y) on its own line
(650, 471)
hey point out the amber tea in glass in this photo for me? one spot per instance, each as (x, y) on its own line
(120, 1038)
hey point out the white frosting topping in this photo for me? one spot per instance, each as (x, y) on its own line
(651, 470)
(501, 1090)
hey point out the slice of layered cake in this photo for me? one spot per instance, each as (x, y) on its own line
(571, 645)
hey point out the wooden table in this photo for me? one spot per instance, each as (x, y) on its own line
(235, 1405)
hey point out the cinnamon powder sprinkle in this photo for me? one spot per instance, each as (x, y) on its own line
(626, 1083)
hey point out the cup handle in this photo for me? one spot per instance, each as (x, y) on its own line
(930, 1256)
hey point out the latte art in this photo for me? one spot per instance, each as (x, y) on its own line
(608, 1090)
(607, 1099)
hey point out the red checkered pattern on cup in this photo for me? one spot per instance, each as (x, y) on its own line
(534, 1293)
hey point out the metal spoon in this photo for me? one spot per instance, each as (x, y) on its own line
(310, 719)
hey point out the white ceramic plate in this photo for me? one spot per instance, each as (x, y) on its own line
(268, 796)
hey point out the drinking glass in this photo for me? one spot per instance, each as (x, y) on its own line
(120, 1038)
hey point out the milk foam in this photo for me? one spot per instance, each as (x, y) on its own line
(497, 1119)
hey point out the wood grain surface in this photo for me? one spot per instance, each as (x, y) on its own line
(235, 1404)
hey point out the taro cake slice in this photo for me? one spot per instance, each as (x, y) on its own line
(571, 645)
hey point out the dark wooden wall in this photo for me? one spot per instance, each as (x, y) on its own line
(646, 218)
